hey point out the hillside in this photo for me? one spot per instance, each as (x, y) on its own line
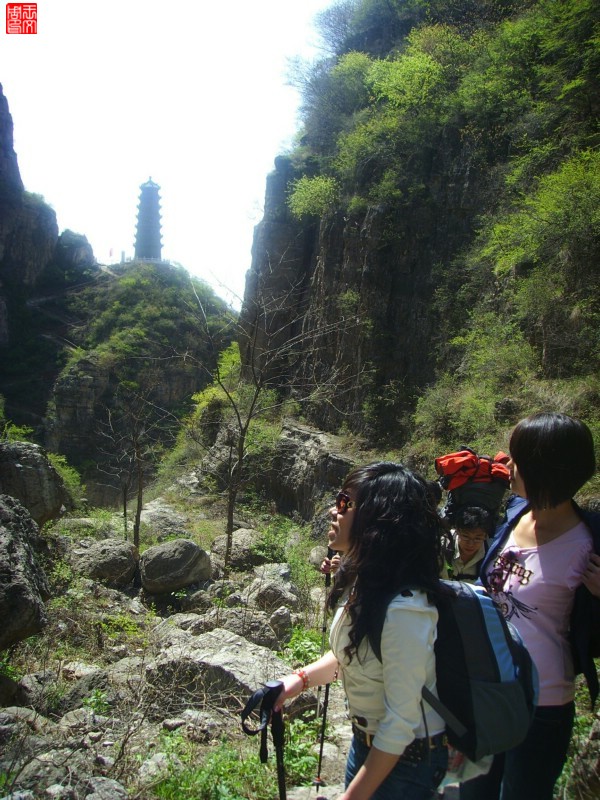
(442, 203)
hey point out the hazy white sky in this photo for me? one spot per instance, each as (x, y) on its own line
(111, 92)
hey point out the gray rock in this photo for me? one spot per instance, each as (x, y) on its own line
(244, 552)
(105, 789)
(57, 765)
(27, 475)
(173, 565)
(23, 583)
(219, 664)
(274, 572)
(112, 561)
(269, 595)
(249, 623)
(281, 622)
(163, 521)
(316, 555)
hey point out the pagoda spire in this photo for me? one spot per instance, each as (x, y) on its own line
(148, 238)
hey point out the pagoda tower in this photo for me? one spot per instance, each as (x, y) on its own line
(148, 238)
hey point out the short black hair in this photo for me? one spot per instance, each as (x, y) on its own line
(554, 454)
(470, 517)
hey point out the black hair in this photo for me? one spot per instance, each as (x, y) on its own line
(394, 544)
(471, 517)
(554, 454)
(435, 490)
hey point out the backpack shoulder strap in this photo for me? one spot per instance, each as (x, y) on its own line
(449, 718)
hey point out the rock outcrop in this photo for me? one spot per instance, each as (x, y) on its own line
(23, 583)
(27, 474)
(10, 177)
(28, 228)
(307, 466)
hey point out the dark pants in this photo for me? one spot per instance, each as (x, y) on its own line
(529, 771)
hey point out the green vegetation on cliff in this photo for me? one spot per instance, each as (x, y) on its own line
(132, 368)
(484, 118)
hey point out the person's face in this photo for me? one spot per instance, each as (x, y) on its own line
(516, 481)
(469, 541)
(342, 516)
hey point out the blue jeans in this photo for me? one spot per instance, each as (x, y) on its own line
(529, 771)
(406, 781)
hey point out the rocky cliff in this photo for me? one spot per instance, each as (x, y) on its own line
(429, 244)
(359, 287)
(34, 262)
(28, 228)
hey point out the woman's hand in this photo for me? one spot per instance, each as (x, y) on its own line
(292, 686)
(329, 566)
(591, 576)
(322, 671)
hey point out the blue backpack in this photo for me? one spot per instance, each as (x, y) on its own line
(487, 683)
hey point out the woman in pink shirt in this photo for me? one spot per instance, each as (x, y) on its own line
(543, 570)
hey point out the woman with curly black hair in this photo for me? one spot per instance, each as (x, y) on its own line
(382, 637)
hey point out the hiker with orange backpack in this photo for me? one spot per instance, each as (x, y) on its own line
(467, 543)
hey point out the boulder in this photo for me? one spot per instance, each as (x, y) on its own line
(251, 624)
(306, 468)
(27, 474)
(316, 555)
(23, 583)
(163, 521)
(281, 622)
(270, 590)
(173, 565)
(219, 664)
(244, 551)
(111, 561)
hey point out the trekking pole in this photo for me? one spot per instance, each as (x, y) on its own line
(318, 782)
(267, 697)
(330, 555)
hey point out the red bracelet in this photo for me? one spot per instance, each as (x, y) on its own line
(302, 674)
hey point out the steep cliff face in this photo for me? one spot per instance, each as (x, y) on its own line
(28, 228)
(358, 288)
(10, 177)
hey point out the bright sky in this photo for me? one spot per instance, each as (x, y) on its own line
(193, 94)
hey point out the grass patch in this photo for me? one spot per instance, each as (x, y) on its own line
(233, 771)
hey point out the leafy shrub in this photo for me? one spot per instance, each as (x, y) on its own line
(9, 432)
(313, 196)
(70, 477)
(97, 702)
(303, 647)
(223, 775)
(114, 624)
(61, 576)
(409, 82)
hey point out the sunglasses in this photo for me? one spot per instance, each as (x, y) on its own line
(472, 539)
(343, 503)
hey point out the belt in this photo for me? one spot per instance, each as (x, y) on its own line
(415, 752)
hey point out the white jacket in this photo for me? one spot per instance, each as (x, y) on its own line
(387, 693)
